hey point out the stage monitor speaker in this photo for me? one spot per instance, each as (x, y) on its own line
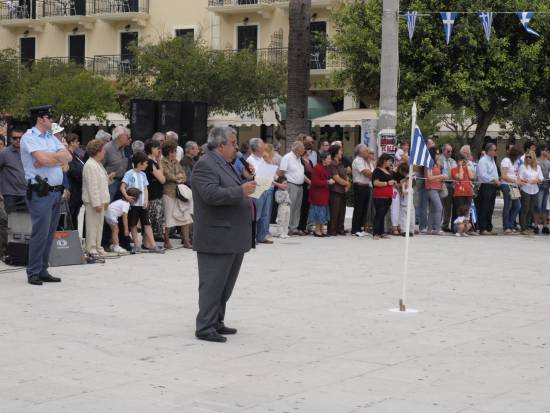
(170, 116)
(194, 122)
(143, 118)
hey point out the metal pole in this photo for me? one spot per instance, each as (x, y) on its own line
(389, 70)
(402, 306)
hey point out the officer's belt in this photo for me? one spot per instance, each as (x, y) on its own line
(57, 188)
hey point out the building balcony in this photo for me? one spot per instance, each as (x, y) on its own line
(315, 4)
(67, 12)
(116, 11)
(262, 7)
(16, 14)
(111, 65)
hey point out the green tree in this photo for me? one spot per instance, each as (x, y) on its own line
(486, 77)
(9, 80)
(74, 92)
(244, 82)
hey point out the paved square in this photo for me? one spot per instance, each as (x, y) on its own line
(315, 333)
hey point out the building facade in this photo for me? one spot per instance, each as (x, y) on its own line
(99, 33)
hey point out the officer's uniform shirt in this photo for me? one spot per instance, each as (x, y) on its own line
(34, 140)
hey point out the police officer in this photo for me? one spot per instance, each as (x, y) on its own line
(42, 156)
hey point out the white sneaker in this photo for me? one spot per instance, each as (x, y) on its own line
(457, 235)
(119, 250)
(364, 233)
(359, 234)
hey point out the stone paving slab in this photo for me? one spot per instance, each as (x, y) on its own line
(315, 333)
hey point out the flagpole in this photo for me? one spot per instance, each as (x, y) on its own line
(402, 306)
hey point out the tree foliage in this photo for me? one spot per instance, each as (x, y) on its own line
(75, 92)
(10, 80)
(182, 69)
(486, 77)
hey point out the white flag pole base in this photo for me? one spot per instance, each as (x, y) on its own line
(407, 311)
(403, 309)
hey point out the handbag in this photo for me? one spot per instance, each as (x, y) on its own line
(443, 192)
(184, 193)
(514, 192)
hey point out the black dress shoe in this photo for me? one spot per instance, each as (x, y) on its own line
(34, 280)
(213, 337)
(226, 330)
(50, 279)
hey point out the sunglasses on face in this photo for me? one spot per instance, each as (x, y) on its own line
(16, 138)
(528, 157)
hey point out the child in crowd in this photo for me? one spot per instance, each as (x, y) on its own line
(116, 210)
(462, 223)
(136, 178)
(404, 189)
(282, 197)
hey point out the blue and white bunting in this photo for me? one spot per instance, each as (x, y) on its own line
(487, 21)
(410, 17)
(525, 17)
(420, 155)
(449, 18)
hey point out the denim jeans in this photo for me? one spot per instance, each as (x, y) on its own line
(511, 209)
(422, 209)
(263, 214)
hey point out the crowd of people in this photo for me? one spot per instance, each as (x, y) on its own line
(137, 196)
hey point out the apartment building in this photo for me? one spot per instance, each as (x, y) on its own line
(98, 34)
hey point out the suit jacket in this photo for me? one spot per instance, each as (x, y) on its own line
(222, 214)
(95, 183)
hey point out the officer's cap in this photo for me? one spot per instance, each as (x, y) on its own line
(38, 111)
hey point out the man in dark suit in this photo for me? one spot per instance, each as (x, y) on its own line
(223, 216)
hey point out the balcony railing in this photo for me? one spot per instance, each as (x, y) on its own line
(63, 8)
(222, 3)
(111, 65)
(121, 6)
(13, 10)
(19, 10)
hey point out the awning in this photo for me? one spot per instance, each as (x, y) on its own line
(116, 119)
(350, 117)
(316, 106)
(233, 119)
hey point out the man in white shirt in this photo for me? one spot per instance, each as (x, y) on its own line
(312, 154)
(485, 202)
(361, 170)
(292, 168)
(263, 204)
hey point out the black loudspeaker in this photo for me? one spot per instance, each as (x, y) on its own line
(143, 118)
(194, 122)
(17, 253)
(169, 117)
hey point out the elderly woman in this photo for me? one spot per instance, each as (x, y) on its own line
(95, 194)
(74, 174)
(174, 174)
(338, 191)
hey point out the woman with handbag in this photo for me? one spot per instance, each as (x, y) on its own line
(434, 186)
(174, 216)
(509, 168)
(463, 191)
(530, 175)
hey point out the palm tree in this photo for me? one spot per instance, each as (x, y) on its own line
(298, 69)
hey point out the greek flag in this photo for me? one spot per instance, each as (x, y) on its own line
(449, 18)
(419, 152)
(525, 17)
(411, 17)
(487, 21)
